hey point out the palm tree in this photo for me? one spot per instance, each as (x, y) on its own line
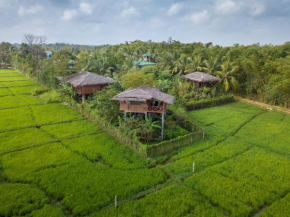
(68, 91)
(227, 76)
(196, 63)
(210, 65)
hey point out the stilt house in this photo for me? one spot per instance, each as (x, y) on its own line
(88, 83)
(201, 79)
(145, 100)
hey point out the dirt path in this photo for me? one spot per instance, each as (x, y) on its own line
(264, 105)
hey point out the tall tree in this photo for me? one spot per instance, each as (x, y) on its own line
(227, 76)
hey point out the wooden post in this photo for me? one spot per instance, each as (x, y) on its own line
(193, 167)
(162, 129)
(125, 116)
(83, 98)
(145, 115)
(116, 201)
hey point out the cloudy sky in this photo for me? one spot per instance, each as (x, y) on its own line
(96, 22)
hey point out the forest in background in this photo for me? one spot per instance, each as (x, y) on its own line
(256, 72)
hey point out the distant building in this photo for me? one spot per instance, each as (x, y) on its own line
(48, 54)
(146, 57)
(141, 63)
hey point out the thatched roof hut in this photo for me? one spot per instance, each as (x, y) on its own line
(87, 79)
(87, 82)
(145, 100)
(201, 79)
(143, 94)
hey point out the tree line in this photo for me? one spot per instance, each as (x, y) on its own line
(256, 72)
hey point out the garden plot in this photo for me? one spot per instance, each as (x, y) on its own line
(16, 118)
(5, 92)
(216, 154)
(20, 199)
(16, 167)
(245, 184)
(81, 185)
(14, 78)
(17, 101)
(47, 211)
(277, 209)
(54, 113)
(219, 124)
(170, 201)
(23, 90)
(106, 149)
(18, 83)
(269, 131)
(71, 129)
(23, 138)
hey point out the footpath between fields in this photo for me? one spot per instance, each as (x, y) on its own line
(264, 105)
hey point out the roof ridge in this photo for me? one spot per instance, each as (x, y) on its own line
(85, 77)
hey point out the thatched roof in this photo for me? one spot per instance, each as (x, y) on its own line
(144, 93)
(87, 79)
(48, 52)
(202, 77)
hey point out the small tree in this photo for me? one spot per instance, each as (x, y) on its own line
(137, 79)
(107, 108)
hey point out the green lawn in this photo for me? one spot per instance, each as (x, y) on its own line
(54, 163)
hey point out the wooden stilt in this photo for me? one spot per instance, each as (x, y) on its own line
(125, 116)
(162, 130)
(83, 98)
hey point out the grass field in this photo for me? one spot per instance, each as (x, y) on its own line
(53, 162)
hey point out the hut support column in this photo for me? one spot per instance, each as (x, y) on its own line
(83, 98)
(162, 129)
(125, 116)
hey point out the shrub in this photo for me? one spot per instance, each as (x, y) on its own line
(38, 90)
(206, 103)
(50, 97)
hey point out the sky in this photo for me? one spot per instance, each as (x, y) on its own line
(97, 22)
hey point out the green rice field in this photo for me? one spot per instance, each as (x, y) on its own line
(55, 162)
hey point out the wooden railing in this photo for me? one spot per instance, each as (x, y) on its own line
(155, 108)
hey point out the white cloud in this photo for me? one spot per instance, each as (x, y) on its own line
(69, 14)
(156, 23)
(227, 6)
(257, 8)
(29, 11)
(175, 9)
(86, 8)
(199, 17)
(130, 12)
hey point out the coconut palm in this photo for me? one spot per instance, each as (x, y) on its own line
(196, 64)
(210, 65)
(227, 76)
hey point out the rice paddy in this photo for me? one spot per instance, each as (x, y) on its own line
(54, 162)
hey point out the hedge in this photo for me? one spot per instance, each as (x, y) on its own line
(206, 103)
